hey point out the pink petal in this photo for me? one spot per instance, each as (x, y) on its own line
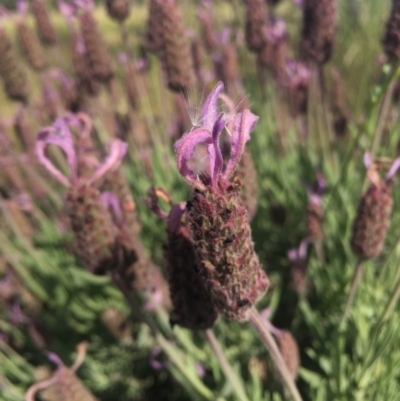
(244, 124)
(210, 108)
(184, 149)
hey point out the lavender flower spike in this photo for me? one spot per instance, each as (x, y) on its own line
(217, 217)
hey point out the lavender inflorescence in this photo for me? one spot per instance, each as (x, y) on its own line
(218, 220)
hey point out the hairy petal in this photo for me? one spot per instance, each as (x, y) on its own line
(118, 150)
(184, 149)
(216, 160)
(244, 124)
(210, 108)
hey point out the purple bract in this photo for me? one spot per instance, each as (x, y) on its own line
(213, 123)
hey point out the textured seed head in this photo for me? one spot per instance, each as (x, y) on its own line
(373, 217)
(227, 68)
(154, 41)
(290, 351)
(14, 78)
(341, 114)
(81, 65)
(175, 52)
(315, 210)
(31, 47)
(256, 18)
(198, 56)
(118, 9)
(297, 81)
(225, 251)
(391, 40)
(318, 32)
(274, 50)
(93, 228)
(372, 221)
(45, 27)
(208, 32)
(97, 52)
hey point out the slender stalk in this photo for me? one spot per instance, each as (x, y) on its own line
(353, 288)
(390, 304)
(173, 354)
(383, 114)
(276, 355)
(225, 365)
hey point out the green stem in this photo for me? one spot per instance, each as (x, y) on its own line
(353, 288)
(174, 355)
(225, 365)
(390, 305)
(276, 355)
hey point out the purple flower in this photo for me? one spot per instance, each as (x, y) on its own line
(60, 134)
(213, 123)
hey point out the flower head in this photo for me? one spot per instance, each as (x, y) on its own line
(60, 134)
(209, 133)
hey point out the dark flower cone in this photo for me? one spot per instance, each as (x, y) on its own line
(225, 250)
(154, 40)
(80, 62)
(175, 52)
(14, 78)
(116, 323)
(208, 32)
(96, 49)
(391, 40)
(290, 351)
(248, 176)
(273, 53)
(198, 56)
(31, 47)
(45, 27)
(192, 304)
(341, 114)
(318, 32)
(256, 18)
(372, 221)
(227, 67)
(24, 130)
(297, 88)
(118, 9)
(314, 218)
(93, 228)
